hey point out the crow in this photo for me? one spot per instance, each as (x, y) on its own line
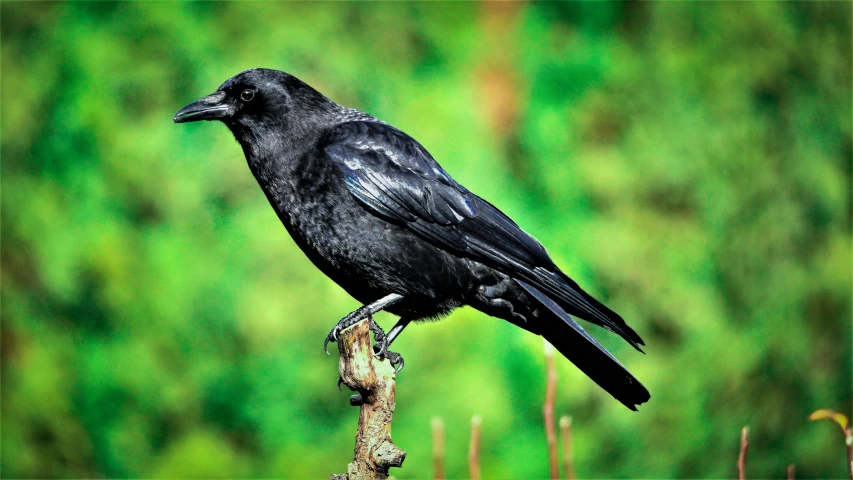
(371, 208)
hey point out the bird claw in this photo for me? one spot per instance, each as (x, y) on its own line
(380, 348)
(342, 382)
(396, 361)
(347, 322)
(331, 337)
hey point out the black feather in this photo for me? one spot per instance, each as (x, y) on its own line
(587, 354)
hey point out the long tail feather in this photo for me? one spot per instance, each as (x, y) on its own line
(570, 339)
(571, 297)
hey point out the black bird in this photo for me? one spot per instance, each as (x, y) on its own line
(376, 213)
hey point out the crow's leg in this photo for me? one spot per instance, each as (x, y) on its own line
(383, 340)
(359, 315)
(395, 331)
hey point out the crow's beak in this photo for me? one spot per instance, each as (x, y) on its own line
(211, 107)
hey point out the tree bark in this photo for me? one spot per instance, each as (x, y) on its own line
(374, 380)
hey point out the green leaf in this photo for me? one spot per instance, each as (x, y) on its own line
(824, 414)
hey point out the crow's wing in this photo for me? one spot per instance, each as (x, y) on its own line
(395, 177)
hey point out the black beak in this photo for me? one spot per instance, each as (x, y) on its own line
(211, 107)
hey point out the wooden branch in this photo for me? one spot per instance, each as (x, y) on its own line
(741, 459)
(373, 378)
(548, 413)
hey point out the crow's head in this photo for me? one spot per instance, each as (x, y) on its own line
(258, 99)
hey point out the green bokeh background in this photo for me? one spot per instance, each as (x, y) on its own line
(688, 163)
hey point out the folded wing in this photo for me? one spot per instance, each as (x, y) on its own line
(396, 178)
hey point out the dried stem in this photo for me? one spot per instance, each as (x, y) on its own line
(848, 439)
(474, 449)
(791, 472)
(741, 459)
(373, 378)
(548, 411)
(566, 434)
(438, 448)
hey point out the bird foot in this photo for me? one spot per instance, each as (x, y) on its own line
(342, 325)
(380, 348)
(365, 311)
(381, 345)
(331, 337)
(396, 360)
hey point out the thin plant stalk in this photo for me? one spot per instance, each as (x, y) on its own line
(474, 448)
(438, 448)
(848, 440)
(741, 459)
(791, 472)
(548, 411)
(566, 434)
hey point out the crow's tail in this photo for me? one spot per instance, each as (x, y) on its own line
(586, 353)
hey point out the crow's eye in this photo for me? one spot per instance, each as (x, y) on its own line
(247, 95)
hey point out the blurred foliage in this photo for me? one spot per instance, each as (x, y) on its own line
(689, 163)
